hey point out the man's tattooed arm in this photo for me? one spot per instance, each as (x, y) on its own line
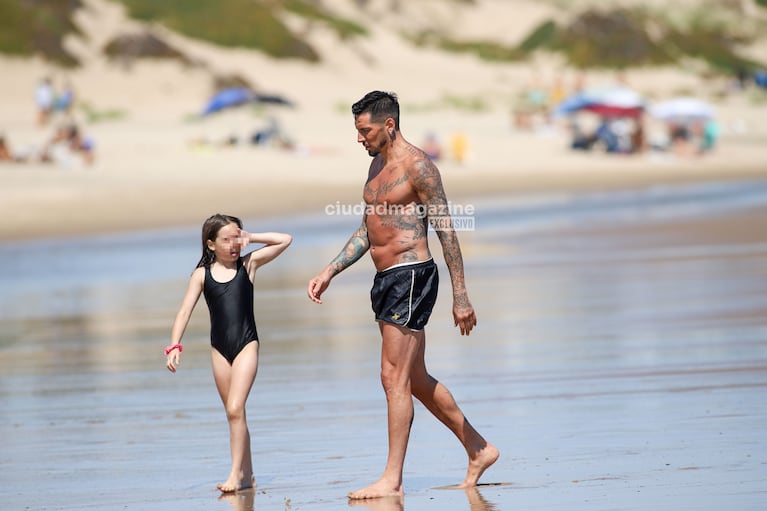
(355, 248)
(428, 185)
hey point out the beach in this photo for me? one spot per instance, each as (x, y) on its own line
(620, 357)
(619, 363)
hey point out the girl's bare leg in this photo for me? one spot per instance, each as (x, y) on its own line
(234, 383)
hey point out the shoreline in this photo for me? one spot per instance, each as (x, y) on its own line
(94, 207)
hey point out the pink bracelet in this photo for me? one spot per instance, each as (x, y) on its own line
(172, 347)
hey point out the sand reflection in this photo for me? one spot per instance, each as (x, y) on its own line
(242, 500)
(382, 504)
(476, 502)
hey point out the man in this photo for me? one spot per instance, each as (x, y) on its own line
(403, 191)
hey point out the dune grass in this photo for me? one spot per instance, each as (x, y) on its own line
(243, 23)
(230, 23)
(345, 29)
(30, 28)
(616, 39)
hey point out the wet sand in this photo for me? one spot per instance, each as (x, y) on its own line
(620, 362)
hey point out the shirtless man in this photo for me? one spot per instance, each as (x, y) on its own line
(403, 191)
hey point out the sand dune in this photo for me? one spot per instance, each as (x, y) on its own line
(151, 168)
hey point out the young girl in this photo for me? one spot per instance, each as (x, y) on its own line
(226, 280)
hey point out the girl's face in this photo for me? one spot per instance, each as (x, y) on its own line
(228, 243)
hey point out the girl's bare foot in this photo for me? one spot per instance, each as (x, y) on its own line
(480, 462)
(381, 488)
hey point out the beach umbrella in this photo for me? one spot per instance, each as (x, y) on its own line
(617, 102)
(236, 96)
(681, 109)
(571, 104)
(228, 98)
(760, 78)
(609, 102)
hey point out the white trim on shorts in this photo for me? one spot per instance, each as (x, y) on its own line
(409, 263)
(410, 298)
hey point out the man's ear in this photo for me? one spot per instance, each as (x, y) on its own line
(389, 124)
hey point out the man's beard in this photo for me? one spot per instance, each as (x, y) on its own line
(375, 151)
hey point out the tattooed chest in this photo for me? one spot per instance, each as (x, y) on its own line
(390, 190)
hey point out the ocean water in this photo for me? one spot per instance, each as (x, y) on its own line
(620, 362)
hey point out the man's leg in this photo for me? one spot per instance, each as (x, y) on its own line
(399, 350)
(438, 400)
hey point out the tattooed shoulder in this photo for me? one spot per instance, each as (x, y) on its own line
(427, 179)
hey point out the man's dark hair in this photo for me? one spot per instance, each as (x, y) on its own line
(380, 105)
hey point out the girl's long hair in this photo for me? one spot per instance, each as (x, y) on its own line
(210, 232)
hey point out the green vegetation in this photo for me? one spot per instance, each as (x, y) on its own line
(540, 37)
(309, 10)
(713, 46)
(29, 28)
(466, 104)
(127, 47)
(757, 96)
(450, 102)
(242, 23)
(487, 50)
(609, 39)
(616, 39)
(232, 23)
(92, 115)
(606, 38)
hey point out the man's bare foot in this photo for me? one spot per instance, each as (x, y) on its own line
(478, 464)
(234, 484)
(381, 488)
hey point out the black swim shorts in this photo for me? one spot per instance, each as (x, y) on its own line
(405, 294)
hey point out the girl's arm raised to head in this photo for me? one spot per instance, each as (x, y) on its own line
(275, 243)
(193, 292)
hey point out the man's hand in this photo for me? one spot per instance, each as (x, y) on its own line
(317, 286)
(464, 316)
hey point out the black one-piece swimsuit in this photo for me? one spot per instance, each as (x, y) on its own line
(232, 324)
